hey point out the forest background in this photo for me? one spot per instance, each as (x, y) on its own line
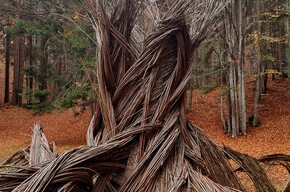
(48, 61)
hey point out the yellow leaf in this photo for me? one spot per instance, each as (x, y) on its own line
(76, 16)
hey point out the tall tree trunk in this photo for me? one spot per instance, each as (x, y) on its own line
(43, 69)
(264, 51)
(241, 70)
(233, 100)
(236, 102)
(279, 50)
(257, 89)
(252, 54)
(222, 103)
(283, 33)
(29, 79)
(19, 58)
(7, 67)
(235, 41)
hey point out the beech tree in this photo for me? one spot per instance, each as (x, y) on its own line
(234, 39)
(258, 81)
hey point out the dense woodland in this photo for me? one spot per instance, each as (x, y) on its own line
(51, 49)
(136, 65)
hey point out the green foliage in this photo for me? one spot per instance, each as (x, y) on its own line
(30, 71)
(66, 59)
(268, 58)
(208, 88)
(269, 71)
(37, 98)
(48, 25)
(273, 39)
(280, 190)
(286, 72)
(224, 90)
(80, 92)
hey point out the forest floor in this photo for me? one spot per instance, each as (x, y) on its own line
(69, 131)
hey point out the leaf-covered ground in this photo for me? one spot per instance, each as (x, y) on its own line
(62, 127)
(68, 131)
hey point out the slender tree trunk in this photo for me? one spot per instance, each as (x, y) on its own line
(31, 62)
(236, 102)
(243, 97)
(283, 33)
(15, 71)
(279, 47)
(257, 90)
(21, 67)
(232, 56)
(272, 50)
(252, 54)
(229, 99)
(241, 71)
(229, 114)
(233, 100)
(29, 79)
(222, 103)
(263, 65)
(7, 67)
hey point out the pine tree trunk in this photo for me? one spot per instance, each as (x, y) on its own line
(43, 69)
(21, 67)
(7, 67)
(29, 79)
(19, 58)
(15, 71)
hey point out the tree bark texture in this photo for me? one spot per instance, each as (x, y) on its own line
(19, 58)
(7, 67)
(258, 79)
(236, 48)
